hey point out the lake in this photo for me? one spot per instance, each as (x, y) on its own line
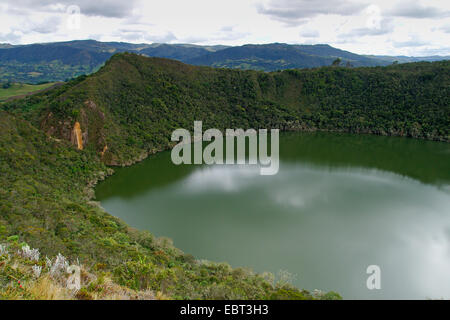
(339, 204)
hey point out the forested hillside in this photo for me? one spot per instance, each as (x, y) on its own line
(128, 110)
(44, 202)
(133, 103)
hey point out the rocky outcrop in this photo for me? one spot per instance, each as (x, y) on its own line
(76, 137)
(86, 129)
(105, 148)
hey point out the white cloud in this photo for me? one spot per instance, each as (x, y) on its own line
(445, 28)
(296, 12)
(413, 9)
(384, 26)
(309, 33)
(411, 43)
(104, 8)
(10, 37)
(367, 27)
(48, 25)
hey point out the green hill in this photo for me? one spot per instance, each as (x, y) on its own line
(59, 61)
(133, 103)
(128, 110)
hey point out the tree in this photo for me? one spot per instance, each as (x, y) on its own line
(7, 85)
(336, 62)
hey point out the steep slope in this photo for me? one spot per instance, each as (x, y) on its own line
(44, 202)
(131, 106)
(46, 182)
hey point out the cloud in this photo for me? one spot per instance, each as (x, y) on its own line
(445, 28)
(409, 43)
(385, 26)
(214, 38)
(47, 26)
(10, 37)
(226, 33)
(227, 29)
(229, 33)
(104, 8)
(130, 35)
(297, 12)
(161, 38)
(142, 35)
(412, 9)
(360, 26)
(309, 34)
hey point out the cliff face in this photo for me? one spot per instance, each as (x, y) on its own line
(76, 137)
(85, 130)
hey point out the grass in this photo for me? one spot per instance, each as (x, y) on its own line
(20, 89)
(19, 281)
(25, 274)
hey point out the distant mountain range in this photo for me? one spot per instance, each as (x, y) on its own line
(59, 61)
(278, 56)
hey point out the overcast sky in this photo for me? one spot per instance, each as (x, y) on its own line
(391, 27)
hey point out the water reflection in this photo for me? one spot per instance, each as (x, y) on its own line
(325, 217)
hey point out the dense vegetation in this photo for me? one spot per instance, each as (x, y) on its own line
(44, 202)
(279, 56)
(65, 60)
(132, 105)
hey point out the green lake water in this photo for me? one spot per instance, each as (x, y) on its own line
(339, 204)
